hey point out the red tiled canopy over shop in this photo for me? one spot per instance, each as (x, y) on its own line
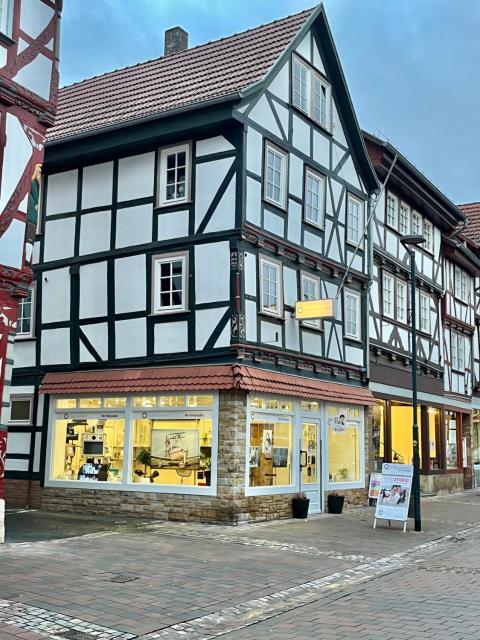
(206, 378)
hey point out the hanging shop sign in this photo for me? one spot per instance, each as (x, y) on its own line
(394, 493)
(374, 485)
(315, 309)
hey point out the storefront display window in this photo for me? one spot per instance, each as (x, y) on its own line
(66, 403)
(344, 444)
(309, 405)
(378, 435)
(172, 401)
(310, 449)
(271, 404)
(434, 423)
(90, 403)
(114, 403)
(270, 456)
(452, 447)
(476, 436)
(402, 433)
(145, 402)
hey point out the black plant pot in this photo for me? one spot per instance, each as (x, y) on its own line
(300, 507)
(335, 503)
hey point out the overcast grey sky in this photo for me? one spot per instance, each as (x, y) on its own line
(413, 66)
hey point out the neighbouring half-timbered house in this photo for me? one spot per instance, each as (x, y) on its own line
(411, 204)
(190, 201)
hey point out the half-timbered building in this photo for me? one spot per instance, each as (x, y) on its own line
(411, 204)
(189, 202)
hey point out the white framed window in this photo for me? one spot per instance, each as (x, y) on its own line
(314, 201)
(275, 175)
(270, 286)
(6, 11)
(301, 86)
(392, 211)
(416, 223)
(428, 235)
(175, 171)
(424, 313)
(321, 100)
(404, 219)
(21, 409)
(310, 290)
(311, 93)
(170, 283)
(462, 284)
(354, 219)
(388, 293)
(352, 314)
(457, 344)
(25, 321)
(401, 301)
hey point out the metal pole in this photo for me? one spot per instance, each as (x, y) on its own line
(416, 457)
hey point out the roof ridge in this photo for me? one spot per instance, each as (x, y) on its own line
(196, 47)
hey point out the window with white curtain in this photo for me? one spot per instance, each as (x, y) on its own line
(424, 313)
(314, 197)
(270, 285)
(392, 211)
(404, 219)
(275, 175)
(352, 314)
(354, 219)
(388, 289)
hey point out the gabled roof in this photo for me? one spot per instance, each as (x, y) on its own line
(472, 229)
(201, 74)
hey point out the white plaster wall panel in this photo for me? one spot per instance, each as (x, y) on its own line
(281, 83)
(130, 284)
(254, 151)
(377, 231)
(294, 222)
(353, 355)
(243, 107)
(84, 354)
(321, 149)
(212, 260)
(97, 335)
(313, 242)
(24, 354)
(16, 155)
(403, 333)
(55, 346)
(171, 337)
(36, 252)
(97, 184)
(209, 177)
(333, 343)
(24, 389)
(317, 58)
(34, 17)
(312, 343)
(253, 201)
(338, 132)
(270, 333)
(49, 44)
(11, 244)
(262, 114)
(136, 176)
(36, 76)
(334, 250)
(224, 338)
(3, 51)
(380, 209)
(292, 333)
(95, 232)
(173, 225)
(224, 215)
(62, 192)
(134, 225)
(56, 295)
(251, 320)
(283, 116)
(304, 48)
(372, 328)
(301, 135)
(296, 176)
(131, 338)
(357, 261)
(338, 199)
(250, 266)
(349, 173)
(428, 267)
(16, 465)
(391, 242)
(37, 452)
(93, 290)
(273, 223)
(205, 322)
(59, 239)
(217, 144)
(290, 286)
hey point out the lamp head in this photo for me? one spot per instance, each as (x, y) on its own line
(412, 241)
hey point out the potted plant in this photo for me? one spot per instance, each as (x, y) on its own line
(343, 473)
(205, 464)
(335, 503)
(300, 506)
(144, 457)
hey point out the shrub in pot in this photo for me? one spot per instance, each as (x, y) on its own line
(335, 503)
(300, 506)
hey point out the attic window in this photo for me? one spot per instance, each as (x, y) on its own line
(311, 93)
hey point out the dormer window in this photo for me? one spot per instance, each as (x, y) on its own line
(311, 93)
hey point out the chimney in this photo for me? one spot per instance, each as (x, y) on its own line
(176, 39)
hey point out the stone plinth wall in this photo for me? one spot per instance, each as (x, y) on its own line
(442, 483)
(18, 493)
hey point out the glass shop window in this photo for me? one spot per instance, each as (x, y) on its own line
(401, 418)
(172, 452)
(90, 450)
(309, 405)
(272, 404)
(344, 438)
(476, 436)
(114, 403)
(434, 425)
(270, 454)
(378, 425)
(200, 401)
(146, 402)
(21, 410)
(452, 447)
(90, 403)
(67, 403)
(171, 401)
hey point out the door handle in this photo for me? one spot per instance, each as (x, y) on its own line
(303, 460)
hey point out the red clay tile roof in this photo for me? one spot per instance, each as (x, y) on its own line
(472, 230)
(209, 71)
(204, 378)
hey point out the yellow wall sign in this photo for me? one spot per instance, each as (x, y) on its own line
(314, 309)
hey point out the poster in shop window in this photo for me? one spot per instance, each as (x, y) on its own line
(394, 492)
(175, 448)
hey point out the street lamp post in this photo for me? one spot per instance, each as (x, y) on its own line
(409, 242)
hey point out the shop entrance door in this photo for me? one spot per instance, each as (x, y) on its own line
(310, 462)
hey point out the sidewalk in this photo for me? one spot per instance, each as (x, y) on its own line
(125, 579)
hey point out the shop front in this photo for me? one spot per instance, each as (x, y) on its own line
(179, 450)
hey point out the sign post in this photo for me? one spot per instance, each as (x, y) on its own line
(394, 493)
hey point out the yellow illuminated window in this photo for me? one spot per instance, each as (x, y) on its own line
(270, 454)
(145, 401)
(343, 452)
(114, 403)
(90, 403)
(66, 403)
(309, 405)
(402, 436)
(172, 401)
(200, 401)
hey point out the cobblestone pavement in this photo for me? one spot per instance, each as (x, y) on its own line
(331, 577)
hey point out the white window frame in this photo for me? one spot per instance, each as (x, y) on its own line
(424, 320)
(457, 347)
(21, 397)
(393, 224)
(306, 277)
(308, 97)
(387, 278)
(20, 335)
(275, 264)
(404, 229)
(162, 177)
(361, 217)
(462, 284)
(321, 204)
(157, 261)
(6, 15)
(429, 241)
(328, 101)
(399, 284)
(282, 202)
(313, 75)
(354, 295)
(416, 228)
